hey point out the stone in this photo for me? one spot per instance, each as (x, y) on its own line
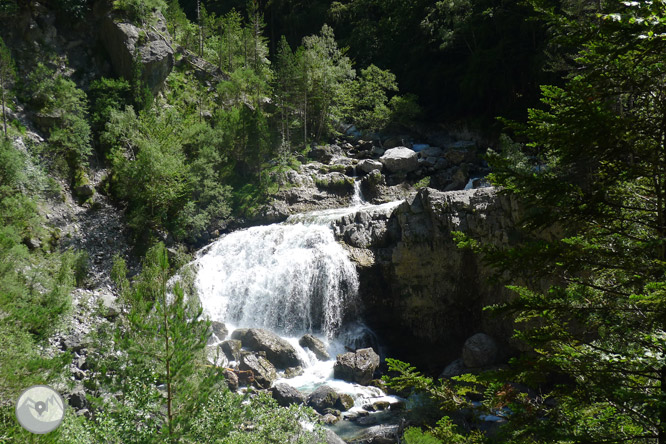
(84, 191)
(122, 40)
(292, 372)
(400, 160)
(431, 151)
(396, 141)
(335, 183)
(262, 369)
(325, 153)
(109, 305)
(479, 350)
(324, 397)
(329, 419)
(356, 367)
(232, 380)
(278, 351)
(316, 346)
(219, 329)
(33, 243)
(239, 334)
(77, 398)
(285, 395)
(332, 438)
(368, 165)
(345, 402)
(456, 368)
(231, 349)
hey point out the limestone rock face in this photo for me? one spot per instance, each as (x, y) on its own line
(356, 367)
(400, 160)
(123, 41)
(431, 292)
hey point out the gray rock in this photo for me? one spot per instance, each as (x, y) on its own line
(239, 334)
(292, 372)
(262, 370)
(316, 346)
(77, 398)
(219, 330)
(329, 418)
(109, 305)
(479, 350)
(368, 165)
(400, 160)
(285, 395)
(345, 402)
(278, 351)
(232, 380)
(123, 40)
(456, 368)
(325, 153)
(379, 434)
(431, 151)
(231, 349)
(356, 367)
(324, 397)
(332, 438)
(84, 191)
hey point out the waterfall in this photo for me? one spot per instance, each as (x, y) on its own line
(289, 278)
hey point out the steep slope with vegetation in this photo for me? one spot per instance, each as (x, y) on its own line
(143, 129)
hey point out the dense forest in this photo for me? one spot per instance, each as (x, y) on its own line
(566, 99)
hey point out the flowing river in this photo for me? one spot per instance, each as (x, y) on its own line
(293, 278)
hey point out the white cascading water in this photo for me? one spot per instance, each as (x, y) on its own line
(288, 278)
(291, 278)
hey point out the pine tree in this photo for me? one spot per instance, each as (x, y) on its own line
(592, 178)
(165, 337)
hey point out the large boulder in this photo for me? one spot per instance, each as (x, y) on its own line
(324, 397)
(479, 350)
(262, 370)
(316, 346)
(356, 367)
(124, 41)
(400, 160)
(278, 351)
(285, 395)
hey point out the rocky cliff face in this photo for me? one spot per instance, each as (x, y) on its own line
(421, 293)
(127, 45)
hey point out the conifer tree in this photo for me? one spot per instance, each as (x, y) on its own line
(165, 337)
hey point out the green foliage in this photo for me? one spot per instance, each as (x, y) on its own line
(7, 78)
(63, 107)
(367, 98)
(165, 188)
(139, 11)
(416, 436)
(106, 95)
